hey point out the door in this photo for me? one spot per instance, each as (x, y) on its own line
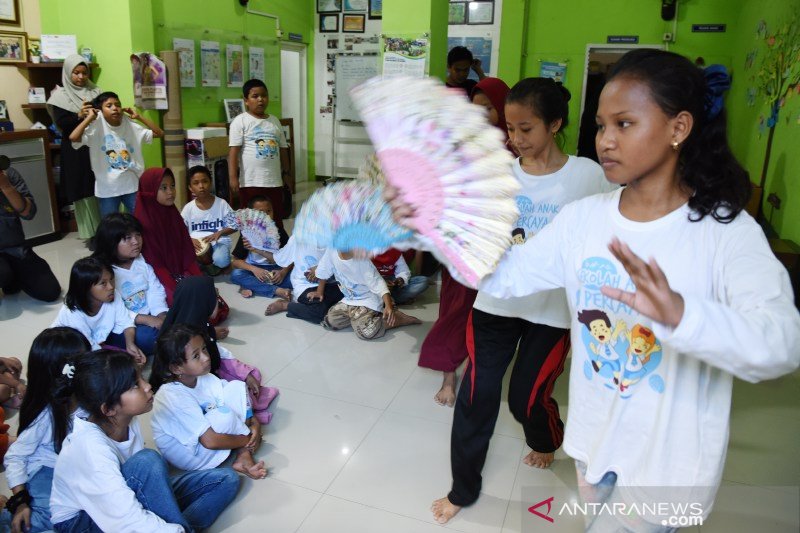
(294, 102)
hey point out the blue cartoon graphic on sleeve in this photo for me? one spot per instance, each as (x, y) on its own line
(266, 145)
(618, 356)
(118, 152)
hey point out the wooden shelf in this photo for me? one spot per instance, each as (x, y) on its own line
(34, 106)
(54, 146)
(58, 65)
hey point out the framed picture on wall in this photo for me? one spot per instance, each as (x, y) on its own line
(329, 23)
(375, 9)
(480, 13)
(329, 6)
(353, 23)
(356, 5)
(233, 108)
(9, 12)
(13, 47)
(458, 13)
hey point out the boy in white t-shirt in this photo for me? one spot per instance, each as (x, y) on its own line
(258, 145)
(367, 305)
(205, 219)
(115, 150)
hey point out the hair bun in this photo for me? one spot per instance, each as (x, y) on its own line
(564, 91)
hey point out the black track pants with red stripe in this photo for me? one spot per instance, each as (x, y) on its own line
(491, 343)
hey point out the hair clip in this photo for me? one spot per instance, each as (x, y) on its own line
(68, 370)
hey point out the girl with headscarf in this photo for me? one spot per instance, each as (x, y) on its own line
(445, 347)
(68, 105)
(195, 304)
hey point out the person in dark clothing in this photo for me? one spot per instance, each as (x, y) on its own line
(459, 63)
(20, 267)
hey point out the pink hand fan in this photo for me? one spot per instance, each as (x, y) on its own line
(257, 227)
(449, 164)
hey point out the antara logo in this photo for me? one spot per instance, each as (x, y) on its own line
(548, 502)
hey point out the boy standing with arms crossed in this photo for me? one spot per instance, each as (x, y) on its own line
(256, 138)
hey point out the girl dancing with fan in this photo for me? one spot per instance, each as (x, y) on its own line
(445, 347)
(254, 268)
(536, 327)
(712, 293)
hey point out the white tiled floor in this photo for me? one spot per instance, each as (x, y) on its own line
(358, 445)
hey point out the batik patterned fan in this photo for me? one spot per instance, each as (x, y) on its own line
(257, 227)
(349, 215)
(449, 164)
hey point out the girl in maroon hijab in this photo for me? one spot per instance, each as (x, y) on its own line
(167, 245)
(445, 347)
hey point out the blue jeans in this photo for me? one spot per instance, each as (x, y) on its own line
(247, 280)
(203, 494)
(111, 205)
(145, 339)
(147, 475)
(221, 254)
(39, 487)
(416, 285)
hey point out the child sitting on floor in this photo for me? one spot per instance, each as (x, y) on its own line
(255, 270)
(118, 242)
(204, 217)
(193, 406)
(367, 305)
(394, 270)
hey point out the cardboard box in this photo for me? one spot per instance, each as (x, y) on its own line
(209, 147)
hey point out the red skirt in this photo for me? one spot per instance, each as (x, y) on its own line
(445, 347)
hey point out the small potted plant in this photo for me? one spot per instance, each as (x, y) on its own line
(35, 52)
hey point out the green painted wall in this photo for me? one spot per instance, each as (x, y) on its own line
(110, 40)
(748, 142)
(416, 17)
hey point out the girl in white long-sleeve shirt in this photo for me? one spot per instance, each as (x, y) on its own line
(44, 421)
(657, 342)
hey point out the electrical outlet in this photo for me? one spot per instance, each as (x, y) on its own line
(774, 200)
(667, 38)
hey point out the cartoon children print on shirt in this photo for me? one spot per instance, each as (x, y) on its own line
(118, 152)
(533, 216)
(266, 145)
(620, 357)
(134, 296)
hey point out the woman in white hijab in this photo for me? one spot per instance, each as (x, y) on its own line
(69, 105)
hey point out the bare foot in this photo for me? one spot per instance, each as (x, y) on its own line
(539, 459)
(221, 332)
(285, 294)
(245, 464)
(443, 510)
(246, 293)
(447, 394)
(402, 319)
(276, 307)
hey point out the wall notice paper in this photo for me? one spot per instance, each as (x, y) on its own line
(58, 47)
(234, 61)
(480, 47)
(149, 81)
(557, 71)
(404, 57)
(210, 63)
(185, 49)
(256, 63)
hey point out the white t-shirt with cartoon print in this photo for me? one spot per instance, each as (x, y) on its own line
(115, 153)
(261, 140)
(359, 280)
(646, 401)
(539, 200)
(112, 317)
(304, 257)
(140, 289)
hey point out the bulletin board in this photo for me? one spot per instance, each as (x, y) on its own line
(351, 70)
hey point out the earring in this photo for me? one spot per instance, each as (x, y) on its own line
(675, 145)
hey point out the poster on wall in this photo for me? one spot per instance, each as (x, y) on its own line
(234, 65)
(481, 48)
(185, 49)
(405, 56)
(256, 62)
(210, 63)
(556, 71)
(149, 81)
